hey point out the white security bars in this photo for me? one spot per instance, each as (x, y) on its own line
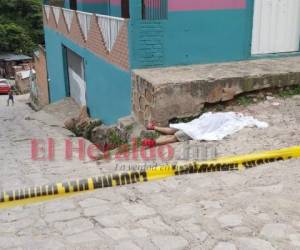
(85, 22)
(56, 11)
(110, 28)
(47, 11)
(68, 14)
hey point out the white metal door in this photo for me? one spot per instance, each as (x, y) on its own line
(76, 78)
(276, 26)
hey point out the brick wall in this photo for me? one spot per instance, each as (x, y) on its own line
(95, 41)
(41, 78)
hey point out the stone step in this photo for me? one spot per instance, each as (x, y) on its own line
(161, 94)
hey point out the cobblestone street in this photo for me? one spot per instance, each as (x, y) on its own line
(258, 209)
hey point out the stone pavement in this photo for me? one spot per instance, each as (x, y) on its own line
(257, 209)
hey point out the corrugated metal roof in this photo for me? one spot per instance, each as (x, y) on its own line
(14, 57)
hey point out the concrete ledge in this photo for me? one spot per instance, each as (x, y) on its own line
(161, 94)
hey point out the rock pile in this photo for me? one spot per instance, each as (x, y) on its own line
(83, 124)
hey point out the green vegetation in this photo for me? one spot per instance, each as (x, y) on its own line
(290, 91)
(151, 135)
(116, 139)
(244, 100)
(21, 26)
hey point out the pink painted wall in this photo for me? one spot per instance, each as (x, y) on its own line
(114, 2)
(185, 5)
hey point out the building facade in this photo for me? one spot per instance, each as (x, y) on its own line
(93, 45)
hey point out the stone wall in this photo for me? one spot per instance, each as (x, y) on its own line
(165, 93)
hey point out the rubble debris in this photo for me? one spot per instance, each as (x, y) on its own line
(83, 124)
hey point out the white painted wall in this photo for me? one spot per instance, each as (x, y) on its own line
(276, 26)
(76, 78)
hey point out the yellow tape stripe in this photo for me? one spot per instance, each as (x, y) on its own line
(233, 163)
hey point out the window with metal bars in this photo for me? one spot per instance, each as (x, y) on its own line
(154, 9)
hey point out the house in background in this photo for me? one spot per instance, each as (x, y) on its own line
(11, 63)
(93, 45)
(23, 80)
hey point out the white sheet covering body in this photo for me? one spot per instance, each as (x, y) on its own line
(215, 126)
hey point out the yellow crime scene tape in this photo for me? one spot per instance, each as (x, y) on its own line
(47, 192)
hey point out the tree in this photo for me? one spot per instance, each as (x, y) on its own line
(21, 26)
(15, 39)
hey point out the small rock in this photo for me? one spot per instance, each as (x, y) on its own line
(225, 246)
(242, 230)
(73, 226)
(139, 210)
(274, 231)
(70, 123)
(82, 237)
(92, 202)
(126, 122)
(170, 242)
(94, 211)
(182, 211)
(275, 103)
(139, 233)
(62, 216)
(112, 221)
(295, 239)
(270, 189)
(254, 244)
(230, 220)
(297, 97)
(269, 98)
(107, 136)
(263, 216)
(155, 224)
(210, 204)
(116, 233)
(127, 245)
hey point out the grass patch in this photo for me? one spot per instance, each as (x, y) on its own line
(115, 139)
(289, 91)
(244, 100)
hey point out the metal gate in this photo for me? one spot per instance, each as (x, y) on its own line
(276, 26)
(76, 78)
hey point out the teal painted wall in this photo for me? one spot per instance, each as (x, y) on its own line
(191, 37)
(100, 8)
(67, 4)
(115, 10)
(108, 87)
(103, 8)
(206, 37)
